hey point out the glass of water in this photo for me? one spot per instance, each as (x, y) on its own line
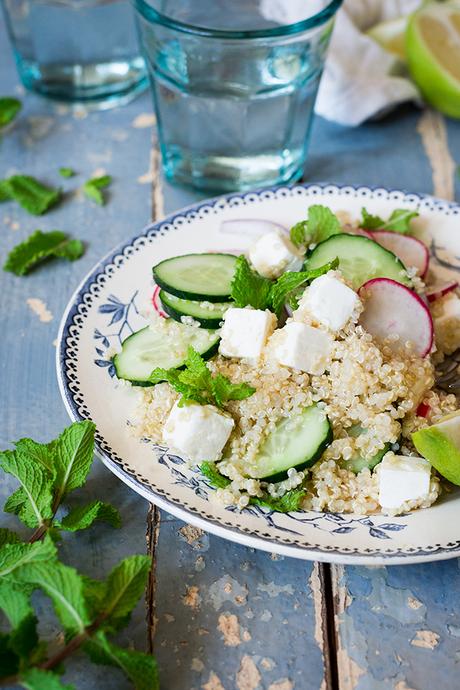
(77, 50)
(234, 85)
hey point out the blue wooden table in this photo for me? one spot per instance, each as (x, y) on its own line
(216, 615)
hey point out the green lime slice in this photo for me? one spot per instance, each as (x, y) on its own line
(433, 54)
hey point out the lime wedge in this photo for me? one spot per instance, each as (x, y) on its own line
(440, 445)
(433, 54)
(391, 36)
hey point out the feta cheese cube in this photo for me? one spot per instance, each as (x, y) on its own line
(303, 348)
(446, 323)
(330, 302)
(273, 253)
(198, 431)
(402, 479)
(245, 332)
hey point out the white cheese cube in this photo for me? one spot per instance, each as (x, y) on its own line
(303, 348)
(330, 302)
(273, 253)
(198, 431)
(245, 332)
(402, 479)
(447, 323)
(450, 308)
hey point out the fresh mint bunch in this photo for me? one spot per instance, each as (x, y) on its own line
(399, 221)
(88, 610)
(196, 383)
(321, 224)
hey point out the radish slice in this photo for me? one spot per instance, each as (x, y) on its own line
(392, 309)
(435, 292)
(411, 251)
(157, 302)
(251, 227)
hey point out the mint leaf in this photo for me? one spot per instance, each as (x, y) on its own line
(9, 662)
(291, 501)
(24, 638)
(92, 188)
(9, 108)
(125, 585)
(140, 668)
(35, 197)
(38, 679)
(14, 602)
(84, 516)
(224, 390)
(399, 221)
(37, 452)
(40, 246)
(14, 557)
(321, 224)
(73, 457)
(64, 586)
(212, 474)
(4, 191)
(66, 172)
(195, 382)
(291, 280)
(7, 536)
(248, 287)
(36, 485)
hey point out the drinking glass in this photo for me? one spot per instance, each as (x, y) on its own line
(234, 85)
(77, 50)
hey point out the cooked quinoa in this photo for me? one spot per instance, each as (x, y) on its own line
(376, 386)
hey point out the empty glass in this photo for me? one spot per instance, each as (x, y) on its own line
(77, 50)
(234, 85)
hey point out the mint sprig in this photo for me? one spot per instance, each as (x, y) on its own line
(89, 610)
(289, 502)
(9, 108)
(399, 221)
(248, 288)
(39, 247)
(196, 383)
(35, 197)
(92, 188)
(321, 224)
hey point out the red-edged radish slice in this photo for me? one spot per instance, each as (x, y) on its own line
(157, 302)
(435, 292)
(411, 251)
(390, 308)
(251, 227)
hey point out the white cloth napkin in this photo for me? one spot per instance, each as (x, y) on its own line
(361, 80)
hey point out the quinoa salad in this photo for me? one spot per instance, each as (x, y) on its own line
(301, 374)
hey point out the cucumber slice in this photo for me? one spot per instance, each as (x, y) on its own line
(360, 259)
(357, 462)
(197, 276)
(164, 347)
(208, 316)
(297, 441)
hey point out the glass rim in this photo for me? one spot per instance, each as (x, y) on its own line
(153, 16)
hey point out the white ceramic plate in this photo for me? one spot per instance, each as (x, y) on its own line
(104, 310)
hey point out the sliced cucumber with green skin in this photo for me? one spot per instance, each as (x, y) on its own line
(197, 277)
(360, 259)
(149, 348)
(357, 462)
(207, 316)
(297, 441)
